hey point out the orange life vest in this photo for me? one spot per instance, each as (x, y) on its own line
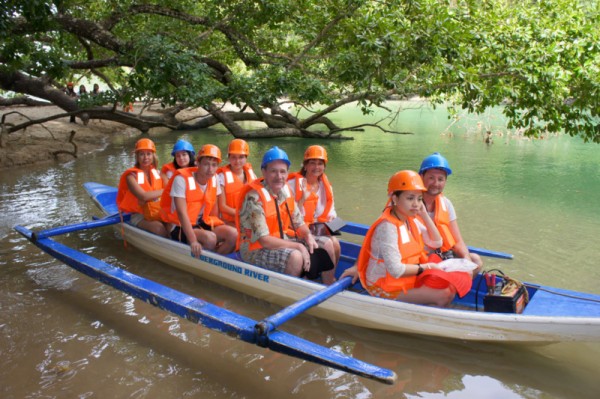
(268, 203)
(410, 244)
(126, 201)
(168, 167)
(441, 218)
(195, 198)
(233, 186)
(310, 204)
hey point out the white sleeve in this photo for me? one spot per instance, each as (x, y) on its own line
(177, 190)
(385, 239)
(220, 180)
(451, 211)
(178, 187)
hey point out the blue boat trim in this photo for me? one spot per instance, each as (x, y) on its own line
(207, 314)
(361, 230)
(107, 221)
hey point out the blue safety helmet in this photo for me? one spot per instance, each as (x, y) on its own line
(275, 154)
(435, 161)
(182, 145)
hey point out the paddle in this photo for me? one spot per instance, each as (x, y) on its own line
(207, 314)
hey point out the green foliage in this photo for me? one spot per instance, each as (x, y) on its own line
(539, 60)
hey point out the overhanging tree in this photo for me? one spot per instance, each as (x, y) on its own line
(540, 60)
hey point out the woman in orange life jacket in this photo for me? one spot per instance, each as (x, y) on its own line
(392, 262)
(231, 178)
(314, 195)
(190, 203)
(140, 189)
(183, 157)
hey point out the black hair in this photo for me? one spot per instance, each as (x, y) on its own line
(192, 161)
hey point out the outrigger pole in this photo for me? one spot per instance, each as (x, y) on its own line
(202, 312)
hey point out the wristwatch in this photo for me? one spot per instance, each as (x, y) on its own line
(420, 269)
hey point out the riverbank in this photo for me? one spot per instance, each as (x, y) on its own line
(60, 141)
(54, 141)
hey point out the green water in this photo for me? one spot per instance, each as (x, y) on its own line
(64, 335)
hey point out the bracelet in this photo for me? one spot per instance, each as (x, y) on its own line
(420, 269)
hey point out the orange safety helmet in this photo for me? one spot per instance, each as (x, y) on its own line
(210, 150)
(239, 147)
(145, 144)
(315, 152)
(70, 84)
(405, 180)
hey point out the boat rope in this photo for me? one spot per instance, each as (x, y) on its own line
(561, 293)
(534, 287)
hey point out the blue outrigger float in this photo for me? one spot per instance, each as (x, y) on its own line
(552, 314)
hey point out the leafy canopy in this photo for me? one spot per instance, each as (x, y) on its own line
(539, 60)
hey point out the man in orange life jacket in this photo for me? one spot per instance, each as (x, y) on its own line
(434, 171)
(190, 202)
(268, 210)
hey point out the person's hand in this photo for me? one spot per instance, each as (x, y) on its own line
(431, 266)
(196, 249)
(311, 243)
(305, 190)
(305, 258)
(352, 272)
(423, 210)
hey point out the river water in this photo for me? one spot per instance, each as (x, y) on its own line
(63, 335)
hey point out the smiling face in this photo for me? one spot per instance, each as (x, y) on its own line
(237, 162)
(435, 181)
(314, 168)
(407, 203)
(145, 159)
(182, 158)
(275, 174)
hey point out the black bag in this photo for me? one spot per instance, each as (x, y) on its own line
(320, 261)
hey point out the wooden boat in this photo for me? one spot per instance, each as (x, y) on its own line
(552, 314)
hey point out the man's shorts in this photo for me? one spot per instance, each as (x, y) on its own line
(271, 259)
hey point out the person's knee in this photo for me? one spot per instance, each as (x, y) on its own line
(294, 264)
(329, 246)
(336, 244)
(227, 238)
(445, 297)
(154, 227)
(230, 234)
(208, 239)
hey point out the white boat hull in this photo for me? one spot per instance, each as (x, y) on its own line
(365, 311)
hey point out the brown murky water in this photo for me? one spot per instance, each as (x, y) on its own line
(63, 335)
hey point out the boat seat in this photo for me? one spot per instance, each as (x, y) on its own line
(561, 302)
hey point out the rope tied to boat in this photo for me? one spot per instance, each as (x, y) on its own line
(122, 229)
